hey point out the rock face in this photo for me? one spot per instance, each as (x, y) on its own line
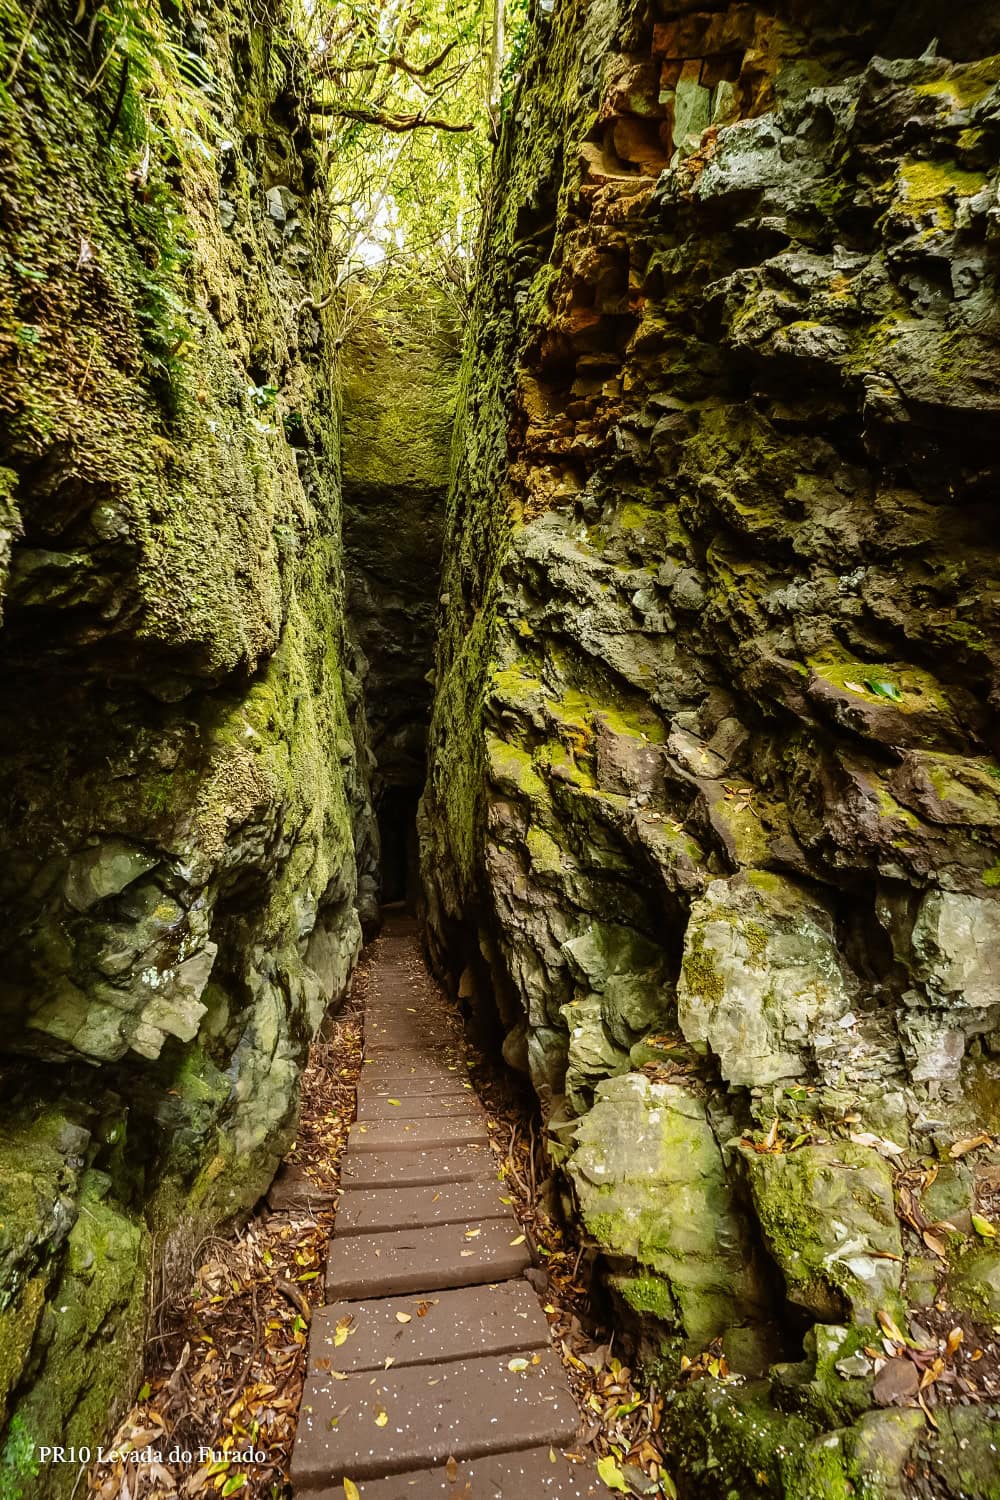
(177, 743)
(398, 390)
(714, 800)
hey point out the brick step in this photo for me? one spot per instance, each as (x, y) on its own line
(362, 1210)
(458, 1324)
(403, 1135)
(394, 1261)
(465, 1409)
(415, 1168)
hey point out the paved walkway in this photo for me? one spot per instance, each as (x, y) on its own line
(430, 1371)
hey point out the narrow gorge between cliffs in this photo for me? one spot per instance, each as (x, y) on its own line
(510, 483)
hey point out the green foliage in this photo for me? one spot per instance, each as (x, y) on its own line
(164, 90)
(403, 89)
(18, 1465)
(159, 99)
(518, 33)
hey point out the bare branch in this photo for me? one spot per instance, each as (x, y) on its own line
(396, 61)
(397, 124)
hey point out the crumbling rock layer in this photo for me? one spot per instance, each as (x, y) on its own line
(713, 818)
(177, 748)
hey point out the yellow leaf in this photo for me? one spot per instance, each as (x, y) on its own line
(970, 1143)
(517, 1365)
(889, 1327)
(519, 1240)
(402, 1317)
(396, 1102)
(351, 1491)
(610, 1473)
(381, 1416)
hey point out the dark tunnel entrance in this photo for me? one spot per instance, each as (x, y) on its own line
(397, 826)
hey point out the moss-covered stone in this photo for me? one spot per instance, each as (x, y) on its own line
(176, 693)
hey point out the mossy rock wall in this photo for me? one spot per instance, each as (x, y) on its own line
(400, 372)
(718, 668)
(178, 709)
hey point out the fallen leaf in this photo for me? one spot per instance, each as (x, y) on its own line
(883, 689)
(402, 1317)
(969, 1143)
(983, 1227)
(927, 1412)
(517, 1365)
(955, 1338)
(611, 1474)
(381, 1416)
(351, 1491)
(519, 1240)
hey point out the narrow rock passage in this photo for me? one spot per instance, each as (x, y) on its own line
(430, 1371)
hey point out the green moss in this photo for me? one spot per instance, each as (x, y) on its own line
(700, 973)
(649, 1293)
(966, 85)
(512, 769)
(19, 1467)
(17, 1330)
(545, 854)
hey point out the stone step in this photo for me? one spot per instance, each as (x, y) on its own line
(403, 1135)
(407, 1054)
(395, 1066)
(445, 1325)
(362, 1210)
(538, 1474)
(391, 1010)
(390, 1106)
(397, 1034)
(401, 1084)
(417, 1417)
(415, 1168)
(394, 1261)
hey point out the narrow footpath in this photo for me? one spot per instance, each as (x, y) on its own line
(430, 1371)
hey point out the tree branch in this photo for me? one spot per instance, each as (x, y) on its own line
(397, 62)
(398, 124)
